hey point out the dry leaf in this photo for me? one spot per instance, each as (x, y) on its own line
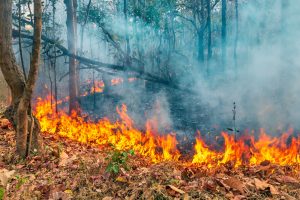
(176, 189)
(287, 179)
(239, 197)
(5, 175)
(186, 197)
(4, 123)
(287, 196)
(63, 159)
(235, 183)
(262, 185)
(107, 198)
(121, 179)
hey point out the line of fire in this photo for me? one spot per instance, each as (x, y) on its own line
(160, 99)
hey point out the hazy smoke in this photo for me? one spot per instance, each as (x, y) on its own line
(265, 84)
(266, 87)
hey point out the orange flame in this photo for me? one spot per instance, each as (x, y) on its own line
(122, 134)
(240, 152)
(116, 81)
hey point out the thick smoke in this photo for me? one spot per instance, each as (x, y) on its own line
(266, 84)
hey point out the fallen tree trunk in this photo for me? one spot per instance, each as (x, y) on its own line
(137, 72)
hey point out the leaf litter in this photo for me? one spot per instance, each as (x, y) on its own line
(70, 170)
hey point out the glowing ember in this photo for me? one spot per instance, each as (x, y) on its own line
(116, 81)
(132, 79)
(97, 87)
(245, 150)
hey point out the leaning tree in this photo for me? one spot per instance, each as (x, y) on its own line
(22, 87)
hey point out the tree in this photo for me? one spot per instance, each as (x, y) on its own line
(236, 3)
(209, 38)
(71, 6)
(224, 32)
(20, 113)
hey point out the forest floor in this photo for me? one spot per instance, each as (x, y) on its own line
(70, 170)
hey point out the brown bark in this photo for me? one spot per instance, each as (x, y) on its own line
(9, 67)
(20, 111)
(72, 43)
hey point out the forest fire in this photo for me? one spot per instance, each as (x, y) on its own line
(122, 134)
(98, 86)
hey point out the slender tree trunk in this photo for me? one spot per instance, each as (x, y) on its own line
(224, 33)
(54, 59)
(200, 46)
(20, 112)
(20, 41)
(201, 34)
(72, 44)
(12, 74)
(209, 41)
(236, 33)
(126, 32)
(84, 25)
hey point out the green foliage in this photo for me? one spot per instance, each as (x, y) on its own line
(21, 181)
(118, 159)
(2, 191)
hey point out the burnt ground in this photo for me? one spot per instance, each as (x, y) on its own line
(175, 110)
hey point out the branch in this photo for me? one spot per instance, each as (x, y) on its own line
(139, 72)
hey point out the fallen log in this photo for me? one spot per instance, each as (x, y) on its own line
(133, 71)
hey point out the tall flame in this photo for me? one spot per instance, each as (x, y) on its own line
(122, 134)
(245, 150)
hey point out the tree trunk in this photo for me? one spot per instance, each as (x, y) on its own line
(126, 32)
(19, 112)
(200, 46)
(72, 43)
(209, 38)
(236, 33)
(224, 33)
(201, 33)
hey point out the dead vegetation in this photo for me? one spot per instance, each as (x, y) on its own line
(69, 170)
